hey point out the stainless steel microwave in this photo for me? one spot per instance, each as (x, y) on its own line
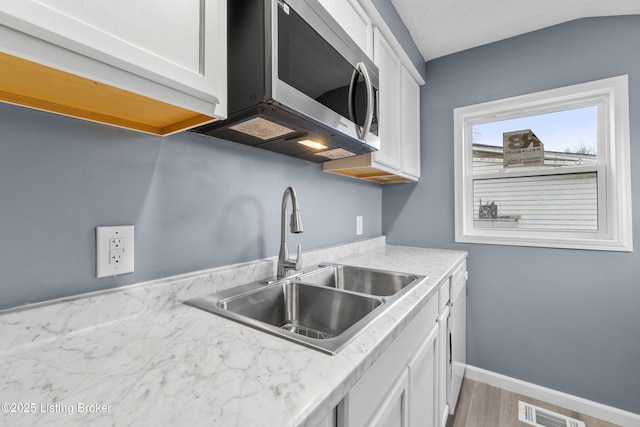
(297, 83)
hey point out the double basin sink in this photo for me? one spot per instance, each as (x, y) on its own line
(323, 309)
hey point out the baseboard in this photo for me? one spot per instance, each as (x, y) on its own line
(565, 400)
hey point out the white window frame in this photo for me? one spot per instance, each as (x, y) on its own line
(613, 167)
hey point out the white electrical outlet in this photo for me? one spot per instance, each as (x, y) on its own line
(358, 225)
(116, 243)
(114, 250)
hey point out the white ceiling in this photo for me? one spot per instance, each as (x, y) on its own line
(442, 27)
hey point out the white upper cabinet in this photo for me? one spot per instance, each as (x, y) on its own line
(398, 159)
(354, 20)
(172, 51)
(389, 100)
(409, 124)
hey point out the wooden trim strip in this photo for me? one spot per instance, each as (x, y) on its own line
(34, 85)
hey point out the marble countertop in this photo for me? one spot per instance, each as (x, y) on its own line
(176, 364)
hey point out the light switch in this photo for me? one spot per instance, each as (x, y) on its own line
(114, 250)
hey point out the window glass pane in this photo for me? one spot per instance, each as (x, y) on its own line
(568, 137)
(545, 202)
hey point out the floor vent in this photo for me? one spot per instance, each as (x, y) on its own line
(539, 417)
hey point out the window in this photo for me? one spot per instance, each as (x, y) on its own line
(547, 169)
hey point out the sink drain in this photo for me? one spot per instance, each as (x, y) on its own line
(307, 332)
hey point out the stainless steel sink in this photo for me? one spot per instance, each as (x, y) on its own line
(356, 279)
(323, 309)
(318, 317)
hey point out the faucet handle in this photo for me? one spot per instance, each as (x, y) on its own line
(298, 264)
(291, 264)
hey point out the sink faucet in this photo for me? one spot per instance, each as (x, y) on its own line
(285, 264)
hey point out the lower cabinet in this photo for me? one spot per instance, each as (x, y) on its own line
(423, 382)
(444, 377)
(393, 412)
(457, 335)
(408, 385)
(399, 389)
(330, 421)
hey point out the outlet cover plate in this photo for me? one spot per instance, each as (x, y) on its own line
(114, 250)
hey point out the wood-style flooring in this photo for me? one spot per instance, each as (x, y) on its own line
(482, 405)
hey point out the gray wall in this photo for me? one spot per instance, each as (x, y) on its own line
(564, 319)
(195, 202)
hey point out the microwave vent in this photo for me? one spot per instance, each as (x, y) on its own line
(261, 128)
(338, 153)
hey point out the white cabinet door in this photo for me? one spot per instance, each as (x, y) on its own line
(354, 20)
(329, 421)
(423, 383)
(409, 124)
(394, 410)
(362, 403)
(458, 333)
(389, 102)
(180, 44)
(443, 367)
